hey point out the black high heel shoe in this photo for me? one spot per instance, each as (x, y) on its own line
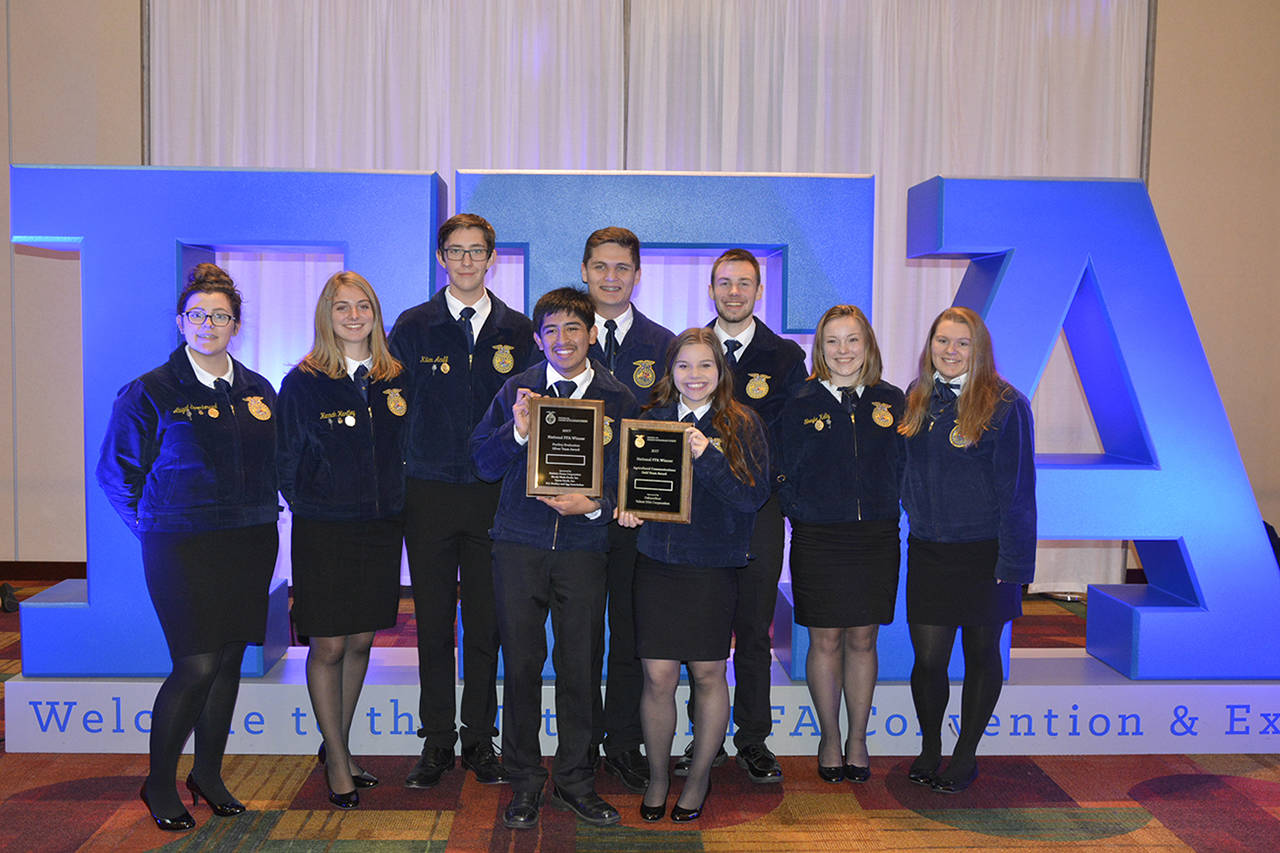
(679, 814)
(652, 813)
(231, 808)
(854, 773)
(922, 774)
(831, 774)
(344, 801)
(364, 780)
(169, 824)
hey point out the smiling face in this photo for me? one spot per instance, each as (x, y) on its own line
(844, 347)
(610, 275)
(352, 321)
(565, 339)
(466, 274)
(735, 289)
(950, 349)
(207, 341)
(694, 374)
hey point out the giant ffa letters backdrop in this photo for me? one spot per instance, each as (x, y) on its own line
(1083, 256)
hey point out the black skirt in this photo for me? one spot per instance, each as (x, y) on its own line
(953, 583)
(845, 575)
(209, 588)
(683, 612)
(346, 575)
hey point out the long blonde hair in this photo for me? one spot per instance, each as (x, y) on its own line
(326, 356)
(984, 389)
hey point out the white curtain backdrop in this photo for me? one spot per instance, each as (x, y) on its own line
(902, 89)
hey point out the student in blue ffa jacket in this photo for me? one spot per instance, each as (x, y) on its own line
(457, 349)
(687, 574)
(634, 348)
(969, 489)
(766, 369)
(341, 465)
(189, 463)
(549, 557)
(837, 469)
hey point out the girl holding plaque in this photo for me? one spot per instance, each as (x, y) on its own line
(189, 464)
(969, 492)
(686, 574)
(838, 471)
(341, 462)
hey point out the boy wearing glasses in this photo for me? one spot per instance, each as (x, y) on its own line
(457, 348)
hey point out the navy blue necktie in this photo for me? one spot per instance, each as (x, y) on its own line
(730, 346)
(690, 418)
(848, 397)
(611, 344)
(464, 319)
(565, 387)
(362, 381)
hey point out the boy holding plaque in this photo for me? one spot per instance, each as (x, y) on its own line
(549, 558)
(634, 348)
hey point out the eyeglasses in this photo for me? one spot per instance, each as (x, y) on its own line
(197, 316)
(455, 253)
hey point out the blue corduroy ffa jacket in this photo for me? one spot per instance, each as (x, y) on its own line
(955, 493)
(342, 458)
(832, 468)
(182, 457)
(723, 508)
(642, 356)
(451, 391)
(498, 456)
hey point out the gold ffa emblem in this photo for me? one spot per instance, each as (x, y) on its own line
(819, 425)
(212, 412)
(758, 386)
(644, 376)
(258, 409)
(444, 367)
(503, 360)
(608, 430)
(396, 403)
(882, 416)
(717, 443)
(639, 441)
(958, 440)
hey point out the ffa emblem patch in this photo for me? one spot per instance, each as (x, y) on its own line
(395, 403)
(608, 430)
(503, 360)
(644, 376)
(958, 440)
(258, 409)
(882, 416)
(758, 386)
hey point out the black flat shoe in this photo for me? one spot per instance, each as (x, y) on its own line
(344, 801)
(230, 808)
(854, 773)
(954, 786)
(364, 780)
(831, 774)
(169, 824)
(922, 774)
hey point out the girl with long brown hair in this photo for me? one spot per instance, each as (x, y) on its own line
(969, 492)
(686, 574)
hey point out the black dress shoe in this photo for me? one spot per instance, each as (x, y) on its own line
(685, 761)
(922, 771)
(679, 814)
(631, 768)
(434, 762)
(854, 773)
(522, 811)
(344, 801)
(761, 765)
(364, 779)
(944, 785)
(481, 759)
(588, 807)
(230, 808)
(181, 823)
(831, 774)
(8, 598)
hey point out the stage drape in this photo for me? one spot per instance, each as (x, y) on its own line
(902, 89)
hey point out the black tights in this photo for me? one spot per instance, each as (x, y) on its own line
(199, 694)
(930, 689)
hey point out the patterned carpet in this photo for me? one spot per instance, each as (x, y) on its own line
(1177, 802)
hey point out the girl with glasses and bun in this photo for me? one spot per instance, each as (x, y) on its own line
(686, 574)
(189, 464)
(969, 489)
(838, 468)
(341, 464)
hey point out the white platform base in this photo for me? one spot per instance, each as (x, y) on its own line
(1056, 701)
